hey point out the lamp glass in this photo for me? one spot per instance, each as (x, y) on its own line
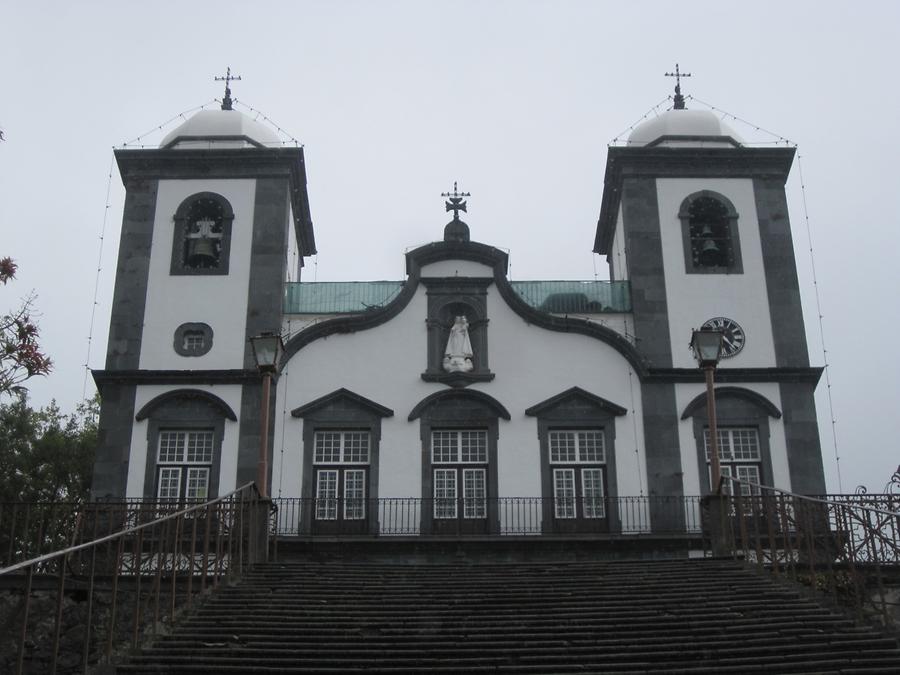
(707, 346)
(267, 350)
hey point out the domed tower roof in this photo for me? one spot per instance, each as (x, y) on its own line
(685, 128)
(213, 129)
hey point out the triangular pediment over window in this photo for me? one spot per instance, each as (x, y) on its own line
(575, 396)
(342, 398)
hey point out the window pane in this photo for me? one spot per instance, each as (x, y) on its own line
(444, 447)
(356, 447)
(474, 502)
(328, 447)
(171, 446)
(724, 444)
(745, 444)
(564, 492)
(592, 493)
(354, 494)
(326, 495)
(562, 447)
(197, 483)
(590, 446)
(749, 474)
(199, 446)
(445, 493)
(169, 483)
(473, 446)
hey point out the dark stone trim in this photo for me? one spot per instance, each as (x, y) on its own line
(178, 341)
(126, 324)
(752, 397)
(446, 395)
(214, 402)
(452, 284)
(458, 379)
(664, 162)
(692, 139)
(782, 285)
(235, 137)
(728, 375)
(456, 250)
(560, 399)
(801, 435)
(113, 455)
(178, 266)
(663, 452)
(289, 163)
(102, 377)
(646, 272)
(344, 395)
(733, 234)
(734, 412)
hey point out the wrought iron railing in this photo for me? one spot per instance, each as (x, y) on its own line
(117, 588)
(845, 546)
(411, 516)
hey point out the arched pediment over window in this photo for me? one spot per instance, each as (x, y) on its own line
(449, 398)
(213, 401)
(740, 393)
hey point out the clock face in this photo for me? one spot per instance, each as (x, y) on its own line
(733, 337)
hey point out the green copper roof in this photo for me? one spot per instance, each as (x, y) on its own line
(557, 297)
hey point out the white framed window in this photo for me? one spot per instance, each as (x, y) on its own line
(341, 460)
(564, 493)
(739, 456)
(184, 460)
(456, 455)
(445, 493)
(326, 494)
(459, 446)
(578, 459)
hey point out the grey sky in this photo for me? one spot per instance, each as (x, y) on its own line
(516, 100)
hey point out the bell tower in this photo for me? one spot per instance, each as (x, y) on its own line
(697, 222)
(211, 221)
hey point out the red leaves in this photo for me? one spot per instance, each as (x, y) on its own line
(20, 353)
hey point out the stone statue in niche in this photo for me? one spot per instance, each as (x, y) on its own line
(458, 355)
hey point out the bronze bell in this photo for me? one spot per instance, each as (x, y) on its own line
(202, 252)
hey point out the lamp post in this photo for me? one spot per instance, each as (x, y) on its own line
(267, 351)
(707, 348)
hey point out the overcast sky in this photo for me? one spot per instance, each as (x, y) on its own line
(516, 100)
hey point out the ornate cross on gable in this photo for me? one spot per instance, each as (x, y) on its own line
(228, 79)
(679, 99)
(456, 203)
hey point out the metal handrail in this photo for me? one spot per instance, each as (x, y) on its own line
(206, 540)
(121, 533)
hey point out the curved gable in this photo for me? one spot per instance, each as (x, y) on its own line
(451, 396)
(758, 400)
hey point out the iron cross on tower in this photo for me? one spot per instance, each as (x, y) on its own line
(456, 203)
(679, 99)
(226, 102)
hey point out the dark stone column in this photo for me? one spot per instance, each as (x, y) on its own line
(663, 454)
(801, 433)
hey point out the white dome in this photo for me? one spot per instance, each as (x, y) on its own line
(685, 128)
(220, 129)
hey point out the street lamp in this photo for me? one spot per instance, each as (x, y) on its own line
(707, 348)
(267, 351)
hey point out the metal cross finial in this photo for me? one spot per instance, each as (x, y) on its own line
(228, 79)
(679, 99)
(456, 203)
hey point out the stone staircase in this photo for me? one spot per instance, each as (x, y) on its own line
(674, 616)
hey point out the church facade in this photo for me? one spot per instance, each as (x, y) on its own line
(455, 388)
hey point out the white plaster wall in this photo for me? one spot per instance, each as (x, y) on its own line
(137, 463)
(217, 300)
(457, 268)
(694, 298)
(385, 364)
(685, 393)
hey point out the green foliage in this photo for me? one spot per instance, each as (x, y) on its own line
(45, 455)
